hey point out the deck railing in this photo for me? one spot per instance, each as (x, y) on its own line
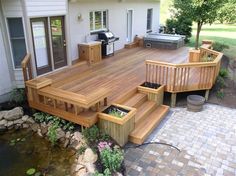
(186, 76)
(26, 68)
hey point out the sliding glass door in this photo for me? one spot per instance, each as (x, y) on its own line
(49, 43)
(58, 41)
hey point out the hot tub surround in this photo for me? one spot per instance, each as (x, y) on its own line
(164, 41)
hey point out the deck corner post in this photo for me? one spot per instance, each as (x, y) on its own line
(207, 94)
(173, 100)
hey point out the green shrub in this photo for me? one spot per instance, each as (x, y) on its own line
(107, 172)
(224, 73)
(91, 134)
(44, 117)
(220, 94)
(112, 159)
(182, 25)
(52, 133)
(18, 96)
(217, 46)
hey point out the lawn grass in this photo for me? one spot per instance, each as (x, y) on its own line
(222, 33)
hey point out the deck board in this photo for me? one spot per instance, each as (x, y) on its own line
(119, 73)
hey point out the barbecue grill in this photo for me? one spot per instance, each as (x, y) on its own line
(108, 39)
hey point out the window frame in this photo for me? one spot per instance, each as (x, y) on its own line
(10, 39)
(93, 30)
(149, 28)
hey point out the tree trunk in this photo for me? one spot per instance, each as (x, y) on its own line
(199, 27)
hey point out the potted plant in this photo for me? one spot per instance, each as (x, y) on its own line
(155, 92)
(117, 121)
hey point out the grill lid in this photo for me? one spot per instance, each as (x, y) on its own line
(105, 35)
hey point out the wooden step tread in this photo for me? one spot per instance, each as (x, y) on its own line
(144, 109)
(135, 100)
(146, 126)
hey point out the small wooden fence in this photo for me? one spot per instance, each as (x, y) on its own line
(186, 76)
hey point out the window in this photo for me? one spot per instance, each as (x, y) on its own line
(149, 19)
(17, 40)
(98, 20)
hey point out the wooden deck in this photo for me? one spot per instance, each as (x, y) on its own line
(119, 74)
(79, 92)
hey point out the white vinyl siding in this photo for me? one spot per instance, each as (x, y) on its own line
(41, 8)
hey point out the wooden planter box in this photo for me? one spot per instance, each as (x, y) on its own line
(118, 128)
(155, 92)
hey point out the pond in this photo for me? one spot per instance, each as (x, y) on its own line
(21, 150)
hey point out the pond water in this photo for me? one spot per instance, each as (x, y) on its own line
(22, 150)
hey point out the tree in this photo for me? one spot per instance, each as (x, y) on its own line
(200, 11)
(228, 12)
(182, 26)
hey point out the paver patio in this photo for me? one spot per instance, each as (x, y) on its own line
(207, 141)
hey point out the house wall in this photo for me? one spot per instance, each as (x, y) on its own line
(116, 20)
(6, 83)
(13, 8)
(40, 8)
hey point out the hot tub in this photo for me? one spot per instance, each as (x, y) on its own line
(164, 41)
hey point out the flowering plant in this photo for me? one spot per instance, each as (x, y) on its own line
(104, 145)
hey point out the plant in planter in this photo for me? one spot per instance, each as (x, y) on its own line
(120, 118)
(154, 91)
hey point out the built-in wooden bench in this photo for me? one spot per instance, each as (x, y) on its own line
(65, 104)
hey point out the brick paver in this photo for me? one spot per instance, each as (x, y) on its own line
(207, 141)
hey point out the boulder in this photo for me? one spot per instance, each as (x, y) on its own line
(35, 127)
(39, 132)
(10, 124)
(25, 125)
(18, 121)
(90, 156)
(81, 172)
(30, 120)
(2, 114)
(66, 143)
(25, 118)
(14, 114)
(3, 122)
(90, 167)
(60, 133)
(44, 129)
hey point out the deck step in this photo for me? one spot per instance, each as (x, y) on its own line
(136, 100)
(144, 110)
(144, 127)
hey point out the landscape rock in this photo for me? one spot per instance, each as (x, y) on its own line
(81, 172)
(25, 125)
(25, 118)
(44, 129)
(60, 133)
(90, 167)
(14, 114)
(35, 127)
(9, 124)
(3, 122)
(89, 156)
(39, 132)
(30, 120)
(19, 121)
(66, 143)
(2, 114)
